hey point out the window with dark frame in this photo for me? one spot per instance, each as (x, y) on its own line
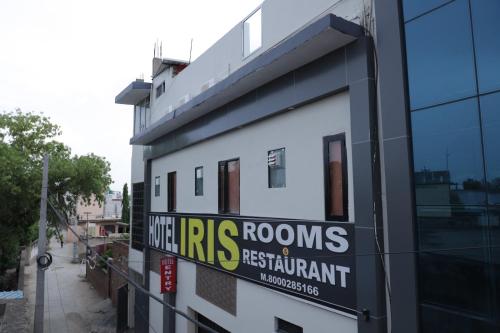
(198, 181)
(276, 168)
(172, 192)
(209, 323)
(283, 326)
(335, 168)
(160, 89)
(157, 186)
(229, 187)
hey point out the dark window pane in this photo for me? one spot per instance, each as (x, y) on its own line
(447, 155)
(438, 319)
(198, 181)
(449, 227)
(172, 192)
(137, 216)
(222, 187)
(486, 25)
(494, 220)
(213, 325)
(453, 259)
(276, 168)
(440, 57)
(412, 8)
(490, 111)
(287, 327)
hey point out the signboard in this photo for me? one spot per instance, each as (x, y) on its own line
(308, 259)
(168, 274)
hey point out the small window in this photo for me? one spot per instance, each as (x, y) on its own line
(229, 187)
(335, 178)
(160, 89)
(209, 323)
(284, 326)
(172, 192)
(252, 33)
(276, 168)
(198, 181)
(157, 186)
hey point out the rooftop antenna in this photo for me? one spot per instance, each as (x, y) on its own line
(190, 51)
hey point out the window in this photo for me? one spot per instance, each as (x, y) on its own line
(157, 186)
(490, 117)
(412, 8)
(172, 191)
(276, 168)
(229, 187)
(447, 156)
(486, 26)
(207, 322)
(252, 33)
(283, 326)
(198, 181)
(335, 178)
(440, 56)
(137, 216)
(141, 116)
(160, 89)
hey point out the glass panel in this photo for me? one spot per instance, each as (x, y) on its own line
(137, 119)
(277, 168)
(412, 8)
(252, 33)
(233, 186)
(490, 112)
(494, 220)
(157, 186)
(437, 319)
(222, 187)
(454, 269)
(447, 155)
(198, 182)
(440, 57)
(172, 192)
(336, 178)
(486, 25)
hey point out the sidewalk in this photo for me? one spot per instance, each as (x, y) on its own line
(71, 304)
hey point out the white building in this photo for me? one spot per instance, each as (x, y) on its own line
(278, 168)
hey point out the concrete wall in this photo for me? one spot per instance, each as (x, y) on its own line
(300, 131)
(226, 55)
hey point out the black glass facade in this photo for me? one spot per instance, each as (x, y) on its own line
(453, 68)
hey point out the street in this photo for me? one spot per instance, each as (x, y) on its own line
(71, 304)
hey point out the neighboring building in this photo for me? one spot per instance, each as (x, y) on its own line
(113, 204)
(91, 211)
(110, 208)
(326, 166)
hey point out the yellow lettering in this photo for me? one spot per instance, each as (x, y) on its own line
(229, 244)
(195, 238)
(183, 236)
(210, 241)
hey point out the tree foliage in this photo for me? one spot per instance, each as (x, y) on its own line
(24, 139)
(125, 205)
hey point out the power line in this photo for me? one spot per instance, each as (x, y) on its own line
(126, 277)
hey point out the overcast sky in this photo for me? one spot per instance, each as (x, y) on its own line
(70, 58)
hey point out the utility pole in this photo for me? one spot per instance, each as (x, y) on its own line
(42, 240)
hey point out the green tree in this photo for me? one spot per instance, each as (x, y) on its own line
(125, 205)
(24, 139)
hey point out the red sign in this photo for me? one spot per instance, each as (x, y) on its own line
(168, 274)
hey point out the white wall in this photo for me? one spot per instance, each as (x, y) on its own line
(300, 132)
(226, 55)
(155, 308)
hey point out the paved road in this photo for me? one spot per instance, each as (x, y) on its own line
(71, 304)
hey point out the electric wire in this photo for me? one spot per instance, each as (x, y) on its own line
(126, 277)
